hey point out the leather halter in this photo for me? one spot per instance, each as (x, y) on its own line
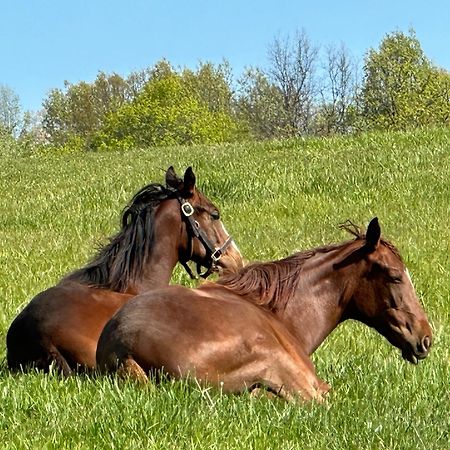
(194, 231)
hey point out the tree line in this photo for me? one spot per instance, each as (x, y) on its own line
(303, 91)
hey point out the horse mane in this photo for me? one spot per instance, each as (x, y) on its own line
(273, 284)
(270, 284)
(120, 262)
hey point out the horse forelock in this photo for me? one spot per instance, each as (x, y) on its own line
(120, 262)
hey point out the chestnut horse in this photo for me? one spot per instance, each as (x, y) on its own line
(161, 226)
(257, 327)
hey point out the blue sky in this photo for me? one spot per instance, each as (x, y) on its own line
(44, 42)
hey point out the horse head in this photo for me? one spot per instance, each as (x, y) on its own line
(206, 241)
(385, 299)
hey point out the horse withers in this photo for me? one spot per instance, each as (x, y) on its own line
(257, 327)
(161, 226)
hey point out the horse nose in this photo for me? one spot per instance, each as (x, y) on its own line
(426, 343)
(231, 261)
(424, 346)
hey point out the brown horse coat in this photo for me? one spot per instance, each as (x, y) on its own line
(256, 327)
(61, 325)
(211, 334)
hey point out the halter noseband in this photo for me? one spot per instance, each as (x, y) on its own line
(194, 231)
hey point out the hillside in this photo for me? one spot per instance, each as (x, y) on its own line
(275, 198)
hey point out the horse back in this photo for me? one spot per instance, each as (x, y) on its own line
(62, 319)
(191, 331)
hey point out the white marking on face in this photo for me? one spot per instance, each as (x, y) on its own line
(408, 276)
(233, 244)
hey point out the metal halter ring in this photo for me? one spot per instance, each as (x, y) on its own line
(187, 209)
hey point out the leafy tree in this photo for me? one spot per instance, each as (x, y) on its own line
(56, 122)
(260, 106)
(401, 88)
(292, 70)
(10, 111)
(338, 93)
(163, 106)
(212, 86)
(167, 112)
(88, 111)
(439, 96)
(80, 109)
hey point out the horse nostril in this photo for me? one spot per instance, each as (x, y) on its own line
(426, 343)
(423, 346)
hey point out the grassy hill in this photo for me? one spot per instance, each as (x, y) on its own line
(275, 198)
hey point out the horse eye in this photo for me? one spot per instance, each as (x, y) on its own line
(395, 279)
(215, 215)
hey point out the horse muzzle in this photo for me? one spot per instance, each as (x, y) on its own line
(414, 352)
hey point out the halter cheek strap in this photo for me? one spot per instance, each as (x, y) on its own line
(194, 230)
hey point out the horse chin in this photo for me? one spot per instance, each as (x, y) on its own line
(407, 348)
(410, 357)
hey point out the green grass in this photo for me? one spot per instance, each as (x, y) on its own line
(275, 198)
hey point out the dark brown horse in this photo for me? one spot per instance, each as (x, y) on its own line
(257, 327)
(161, 226)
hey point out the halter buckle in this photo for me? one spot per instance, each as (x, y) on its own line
(218, 252)
(187, 209)
(216, 255)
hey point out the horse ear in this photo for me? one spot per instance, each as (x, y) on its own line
(373, 234)
(172, 179)
(189, 180)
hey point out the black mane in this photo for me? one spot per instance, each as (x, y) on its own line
(120, 262)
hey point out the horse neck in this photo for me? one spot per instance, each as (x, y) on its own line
(156, 273)
(320, 301)
(163, 256)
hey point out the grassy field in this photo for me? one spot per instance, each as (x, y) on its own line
(275, 198)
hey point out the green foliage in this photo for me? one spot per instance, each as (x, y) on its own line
(212, 86)
(274, 197)
(8, 145)
(10, 111)
(401, 88)
(157, 106)
(260, 106)
(78, 111)
(170, 110)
